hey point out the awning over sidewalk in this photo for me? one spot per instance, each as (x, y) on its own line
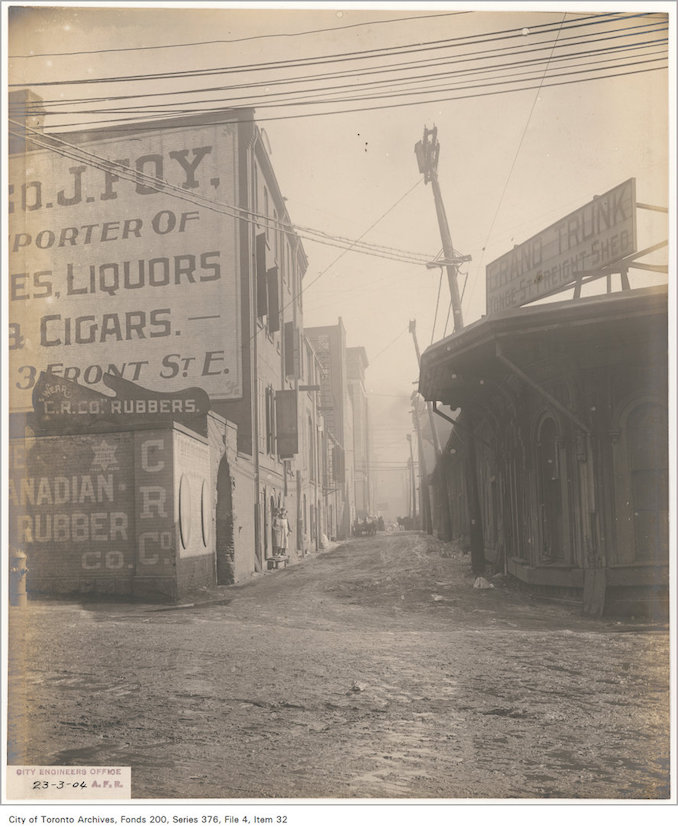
(465, 366)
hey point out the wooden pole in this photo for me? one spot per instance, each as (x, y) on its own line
(427, 151)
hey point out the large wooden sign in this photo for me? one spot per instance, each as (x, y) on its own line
(590, 239)
(118, 275)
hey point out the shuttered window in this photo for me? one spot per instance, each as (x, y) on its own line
(262, 281)
(273, 299)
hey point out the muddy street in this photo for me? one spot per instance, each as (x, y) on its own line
(373, 670)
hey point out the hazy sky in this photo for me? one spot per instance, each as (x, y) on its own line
(510, 164)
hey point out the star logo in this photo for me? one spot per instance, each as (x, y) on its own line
(104, 455)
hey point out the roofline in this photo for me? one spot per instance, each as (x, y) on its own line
(232, 115)
(360, 351)
(555, 314)
(264, 158)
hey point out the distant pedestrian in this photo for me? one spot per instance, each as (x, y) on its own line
(281, 532)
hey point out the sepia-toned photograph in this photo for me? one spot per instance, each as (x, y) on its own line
(336, 404)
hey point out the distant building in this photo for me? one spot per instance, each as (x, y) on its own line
(356, 364)
(392, 489)
(342, 421)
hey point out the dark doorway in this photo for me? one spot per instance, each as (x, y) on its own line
(225, 548)
(551, 506)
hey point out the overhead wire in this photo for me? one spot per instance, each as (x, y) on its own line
(132, 125)
(356, 245)
(316, 60)
(512, 167)
(420, 64)
(283, 98)
(390, 344)
(333, 241)
(341, 255)
(215, 205)
(447, 320)
(237, 39)
(435, 315)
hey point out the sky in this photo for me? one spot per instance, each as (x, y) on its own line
(510, 164)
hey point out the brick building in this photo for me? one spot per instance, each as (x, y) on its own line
(158, 263)
(329, 344)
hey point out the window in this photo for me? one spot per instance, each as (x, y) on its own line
(266, 213)
(262, 277)
(292, 349)
(270, 420)
(273, 300)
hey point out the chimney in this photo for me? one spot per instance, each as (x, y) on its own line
(27, 108)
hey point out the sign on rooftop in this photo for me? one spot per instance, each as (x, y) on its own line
(586, 241)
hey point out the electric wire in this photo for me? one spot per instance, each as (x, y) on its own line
(133, 125)
(152, 181)
(215, 205)
(239, 213)
(435, 315)
(283, 98)
(338, 57)
(512, 167)
(447, 320)
(390, 344)
(419, 64)
(236, 39)
(341, 255)
(135, 175)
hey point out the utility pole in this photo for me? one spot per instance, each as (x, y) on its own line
(424, 499)
(429, 407)
(413, 484)
(428, 151)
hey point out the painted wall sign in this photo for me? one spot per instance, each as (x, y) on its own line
(71, 506)
(66, 407)
(587, 240)
(109, 275)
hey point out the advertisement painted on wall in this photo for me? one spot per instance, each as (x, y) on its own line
(585, 242)
(71, 508)
(113, 270)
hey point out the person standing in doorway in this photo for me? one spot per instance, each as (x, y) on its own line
(281, 533)
(286, 531)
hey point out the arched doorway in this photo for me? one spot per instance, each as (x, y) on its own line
(225, 548)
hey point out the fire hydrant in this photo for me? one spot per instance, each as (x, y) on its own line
(17, 579)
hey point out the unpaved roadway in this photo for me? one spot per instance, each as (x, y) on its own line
(374, 670)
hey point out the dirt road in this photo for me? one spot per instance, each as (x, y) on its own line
(372, 671)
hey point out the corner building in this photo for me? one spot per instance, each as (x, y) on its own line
(159, 263)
